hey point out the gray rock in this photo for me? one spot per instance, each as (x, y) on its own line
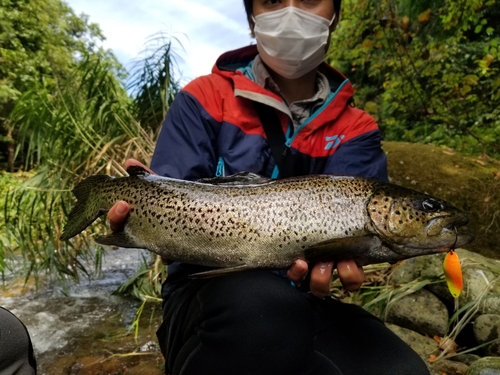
(466, 358)
(479, 272)
(479, 282)
(424, 346)
(487, 328)
(485, 366)
(446, 366)
(421, 312)
(424, 266)
(150, 346)
(427, 266)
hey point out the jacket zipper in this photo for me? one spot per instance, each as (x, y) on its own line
(329, 99)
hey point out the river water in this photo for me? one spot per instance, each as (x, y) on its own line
(83, 328)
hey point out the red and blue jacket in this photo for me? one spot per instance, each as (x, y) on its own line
(213, 129)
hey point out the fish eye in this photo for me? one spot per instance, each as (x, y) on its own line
(431, 205)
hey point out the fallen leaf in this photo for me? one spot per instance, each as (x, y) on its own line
(448, 345)
(432, 358)
(480, 162)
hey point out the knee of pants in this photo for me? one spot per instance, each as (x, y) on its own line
(257, 307)
(247, 323)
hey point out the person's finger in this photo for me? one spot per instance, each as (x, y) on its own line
(117, 215)
(298, 271)
(321, 279)
(350, 274)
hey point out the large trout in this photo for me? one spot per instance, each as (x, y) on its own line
(247, 221)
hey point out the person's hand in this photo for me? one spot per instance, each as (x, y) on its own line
(117, 215)
(120, 210)
(350, 274)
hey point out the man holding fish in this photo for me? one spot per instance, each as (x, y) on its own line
(261, 322)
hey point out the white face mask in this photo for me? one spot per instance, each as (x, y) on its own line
(291, 41)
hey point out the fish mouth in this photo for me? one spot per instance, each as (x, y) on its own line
(447, 227)
(461, 238)
(442, 224)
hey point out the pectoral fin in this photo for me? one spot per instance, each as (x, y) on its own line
(120, 239)
(219, 272)
(341, 248)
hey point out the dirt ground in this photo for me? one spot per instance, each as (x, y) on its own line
(471, 183)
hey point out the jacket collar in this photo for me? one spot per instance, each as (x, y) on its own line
(229, 63)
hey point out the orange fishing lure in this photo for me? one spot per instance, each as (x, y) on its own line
(453, 273)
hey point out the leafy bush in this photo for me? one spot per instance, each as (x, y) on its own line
(427, 71)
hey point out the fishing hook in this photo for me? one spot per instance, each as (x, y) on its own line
(453, 247)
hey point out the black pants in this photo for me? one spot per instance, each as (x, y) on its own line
(16, 351)
(257, 323)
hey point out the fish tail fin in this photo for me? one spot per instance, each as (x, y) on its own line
(88, 206)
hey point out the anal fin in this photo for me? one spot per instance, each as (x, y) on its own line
(220, 272)
(120, 239)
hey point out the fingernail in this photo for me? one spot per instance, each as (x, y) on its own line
(121, 208)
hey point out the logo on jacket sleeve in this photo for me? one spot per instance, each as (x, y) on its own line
(333, 141)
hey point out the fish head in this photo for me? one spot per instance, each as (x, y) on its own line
(411, 222)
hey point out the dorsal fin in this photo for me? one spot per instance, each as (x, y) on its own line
(242, 178)
(136, 170)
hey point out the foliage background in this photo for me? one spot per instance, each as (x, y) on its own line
(428, 71)
(67, 110)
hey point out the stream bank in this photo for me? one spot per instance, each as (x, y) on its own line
(85, 330)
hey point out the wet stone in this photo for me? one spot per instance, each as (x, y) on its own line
(150, 346)
(487, 328)
(485, 366)
(421, 312)
(446, 366)
(424, 346)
